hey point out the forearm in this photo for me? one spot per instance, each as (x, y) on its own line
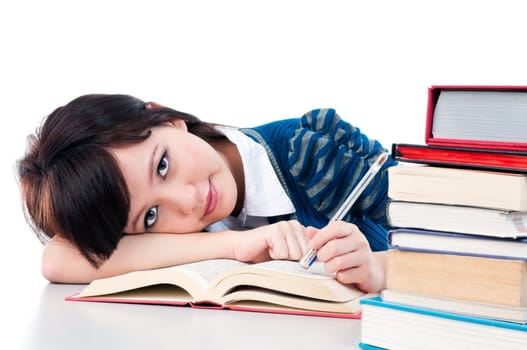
(62, 262)
(153, 250)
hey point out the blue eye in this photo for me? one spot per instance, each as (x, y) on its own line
(150, 217)
(162, 167)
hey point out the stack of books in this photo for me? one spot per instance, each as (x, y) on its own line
(457, 267)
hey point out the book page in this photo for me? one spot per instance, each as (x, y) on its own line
(292, 267)
(194, 278)
(266, 299)
(286, 277)
(481, 115)
(210, 269)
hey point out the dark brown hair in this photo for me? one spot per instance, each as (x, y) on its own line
(71, 185)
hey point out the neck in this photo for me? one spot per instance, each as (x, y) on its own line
(232, 157)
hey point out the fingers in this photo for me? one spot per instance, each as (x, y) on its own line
(347, 261)
(296, 239)
(288, 241)
(345, 251)
(354, 275)
(368, 275)
(284, 240)
(333, 230)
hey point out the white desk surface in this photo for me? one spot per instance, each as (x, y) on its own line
(57, 324)
(36, 316)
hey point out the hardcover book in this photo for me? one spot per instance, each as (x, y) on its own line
(457, 243)
(276, 286)
(457, 218)
(458, 157)
(442, 185)
(487, 117)
(396, 326)
(470, 278)
(463, 307)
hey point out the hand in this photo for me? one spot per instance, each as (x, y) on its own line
(345, 251)
(283, 240)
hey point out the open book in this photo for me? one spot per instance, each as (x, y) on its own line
(274, 286)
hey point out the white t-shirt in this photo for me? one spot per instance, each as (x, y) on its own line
(264, 195)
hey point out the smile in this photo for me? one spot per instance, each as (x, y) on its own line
(212, 199)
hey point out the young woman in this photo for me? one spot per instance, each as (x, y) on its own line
(113, 184)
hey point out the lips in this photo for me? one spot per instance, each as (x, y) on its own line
(212, 199)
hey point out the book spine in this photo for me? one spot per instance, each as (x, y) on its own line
(377, 302)
(486, 280)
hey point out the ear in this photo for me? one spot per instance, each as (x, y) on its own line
(153, 105)
(178, 123)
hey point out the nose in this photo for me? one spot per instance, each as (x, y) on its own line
(187, 199)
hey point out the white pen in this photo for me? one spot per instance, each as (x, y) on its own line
(309, 258)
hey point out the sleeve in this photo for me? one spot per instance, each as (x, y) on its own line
(328, 157)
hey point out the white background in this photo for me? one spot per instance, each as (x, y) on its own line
(240, 63)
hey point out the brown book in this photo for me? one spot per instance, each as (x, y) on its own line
(485, 280)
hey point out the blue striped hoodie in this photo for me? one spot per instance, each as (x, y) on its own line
(319, 158)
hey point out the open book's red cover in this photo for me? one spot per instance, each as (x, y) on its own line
(433, 94)
(462, 157)
(206, 305)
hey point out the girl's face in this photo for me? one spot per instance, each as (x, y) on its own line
(177, 182)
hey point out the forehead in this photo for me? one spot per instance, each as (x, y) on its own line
(137, 155)
(133, 161)
(133, 155)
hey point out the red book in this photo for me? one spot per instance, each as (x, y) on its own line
(484, 117)
(514, 161)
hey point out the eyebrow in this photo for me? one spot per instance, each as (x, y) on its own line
(151, 168)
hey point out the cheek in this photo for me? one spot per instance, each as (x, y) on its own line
(230, 194)
(203, 160)
(195, 156)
